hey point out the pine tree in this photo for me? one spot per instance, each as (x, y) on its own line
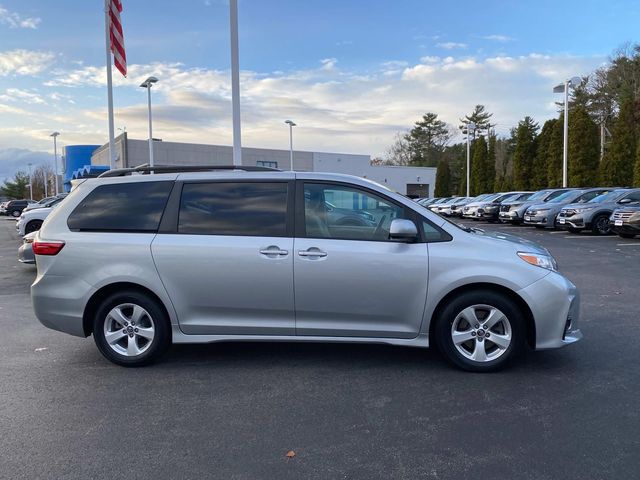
(617, 166)
(490, 172)
(525, 153)
(540, 171)
(584, 149)
(636, 172)
(443, 179)
(478, 167)
(427, 140)
(554, 154)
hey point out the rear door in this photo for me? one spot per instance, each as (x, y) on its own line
(226, 258)
(350, 279)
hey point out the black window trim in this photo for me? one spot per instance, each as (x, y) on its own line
(410, 213)
(169, 222)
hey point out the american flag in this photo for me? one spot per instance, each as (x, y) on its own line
(117, 37)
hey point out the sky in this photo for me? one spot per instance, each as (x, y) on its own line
(350, 73)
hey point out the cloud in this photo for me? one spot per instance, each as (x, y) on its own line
(24, 62)
(451, 45)
(15, 159)
(498, 38)
(15, 20)
(15, 94)
(336, 108)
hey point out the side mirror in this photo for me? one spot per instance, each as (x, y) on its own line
(402, 229)
(624, 201)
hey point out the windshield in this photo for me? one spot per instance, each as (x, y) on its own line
(508, 196)
(569, 196)
(539, 195)
(607, 197)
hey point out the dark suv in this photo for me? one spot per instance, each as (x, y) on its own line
(15, 207)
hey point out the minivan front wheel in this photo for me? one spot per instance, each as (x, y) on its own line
(131, 329)
(480, 331)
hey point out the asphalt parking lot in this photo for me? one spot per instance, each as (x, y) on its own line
(233, 411)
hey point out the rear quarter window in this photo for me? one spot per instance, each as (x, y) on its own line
(122, 207)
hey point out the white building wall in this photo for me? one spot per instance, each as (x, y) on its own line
(396, 178)
(401, 179)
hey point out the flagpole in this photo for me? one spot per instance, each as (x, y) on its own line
(112, 148)
(235, 82)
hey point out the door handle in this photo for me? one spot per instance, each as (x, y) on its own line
(274, 251)
(312, 253)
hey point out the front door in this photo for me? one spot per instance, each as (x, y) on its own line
(350, 279)
(228, 267)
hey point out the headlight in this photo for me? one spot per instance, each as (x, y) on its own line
(539, 260)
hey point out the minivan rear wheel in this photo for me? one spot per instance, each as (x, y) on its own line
(131, 329)
(480, 331)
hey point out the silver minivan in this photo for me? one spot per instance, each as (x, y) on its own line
(142, 261)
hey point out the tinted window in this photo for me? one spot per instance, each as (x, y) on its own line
(221, 208)
(634, 196)
(122, 207)
(334, 211)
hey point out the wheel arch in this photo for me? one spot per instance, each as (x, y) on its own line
(105, 291)
(517, 299)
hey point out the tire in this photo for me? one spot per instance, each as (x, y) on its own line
(600, 225)
(32, 226)
(627, 235)
(16, 213)
(510, 328)
(120, 348)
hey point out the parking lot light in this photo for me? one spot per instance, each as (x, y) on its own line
(55, 159)
(564, 88)
(147, 84)
(291, 125)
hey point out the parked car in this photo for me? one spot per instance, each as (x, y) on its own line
(454, 209)
(440, 206)
(490, 210)
(45, 202)
(25, 251)
(14, 207)
(594, 215)
(471, 208)
(214, 256)
(626, 221)
(31, 221)
(513, 211)
(439, 201)
(543, 215)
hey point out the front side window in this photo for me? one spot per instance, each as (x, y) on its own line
(341, 212)
(234, 208)
(122, 207)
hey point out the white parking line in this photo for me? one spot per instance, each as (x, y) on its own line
(627, 244)
(557, 231)
(584, 236)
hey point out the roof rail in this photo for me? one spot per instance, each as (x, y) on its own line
(146, 168)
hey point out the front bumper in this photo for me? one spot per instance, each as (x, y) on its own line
(511, 216)
(555, 304)
(575, 221)
(546, 220)
(627, 228)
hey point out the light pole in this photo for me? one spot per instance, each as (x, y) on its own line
(564, 88)
(147, 84)
(470, 128)
(291, 125)
(235, 82)
(30, 184)
(55, 159)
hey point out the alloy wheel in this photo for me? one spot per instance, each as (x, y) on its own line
(129, 329)
(481, 333)
(602, 225)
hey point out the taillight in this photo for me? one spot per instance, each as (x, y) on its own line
(47, 248)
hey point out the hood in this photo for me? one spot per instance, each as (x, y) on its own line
(521, 243)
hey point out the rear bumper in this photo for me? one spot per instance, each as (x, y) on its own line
(555, 305)
(59, 302)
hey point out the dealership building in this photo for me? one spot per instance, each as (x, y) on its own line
(85, 160)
